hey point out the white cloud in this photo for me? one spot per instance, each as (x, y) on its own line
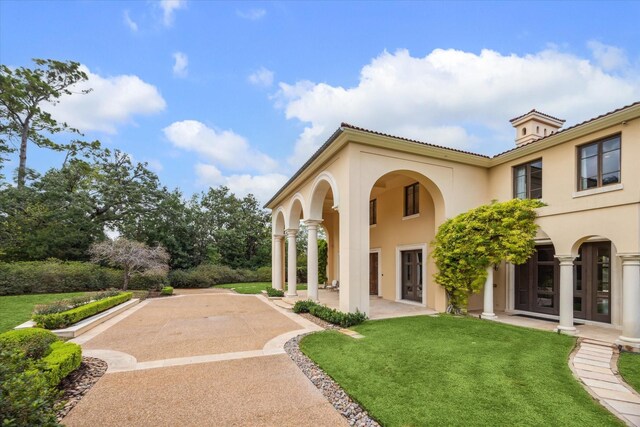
(181, 62)
(455, 98)
(224, 148)
(133, 26)
(608, 57)
(261, 77)
(112, 101)
(168, 8)
(262, 186)
(251, 14)
(155, 165)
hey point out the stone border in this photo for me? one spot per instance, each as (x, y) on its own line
(79, 382)
(341, 401)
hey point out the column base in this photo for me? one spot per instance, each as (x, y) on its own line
(489, 316)
(628, 344)
(293, 295)
(566, 330)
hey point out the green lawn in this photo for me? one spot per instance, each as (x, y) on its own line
(457, 371)
(629, 367)
(252, 288)
(16, 309)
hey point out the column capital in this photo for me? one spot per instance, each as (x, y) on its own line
(629, 258)
(312, 222)
(291, 232)
(278, 236)
(565, 259)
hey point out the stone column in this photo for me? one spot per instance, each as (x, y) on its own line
(630, 338)
(292, 261)
(277, 262)
(312, 258)
(488, 313)
(566, 295)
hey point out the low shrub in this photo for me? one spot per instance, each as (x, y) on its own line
(26, 396)
(330, 315)
(148, 281)
(65, 357)
(207, 275)
(272, 292)
(69, 317)
(68, 304)
(167, 290)
(34, 343)
(52, 276)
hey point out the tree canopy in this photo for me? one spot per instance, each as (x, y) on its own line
(469, 243)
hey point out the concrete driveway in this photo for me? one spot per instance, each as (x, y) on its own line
(200, 359)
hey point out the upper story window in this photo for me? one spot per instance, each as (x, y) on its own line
(527, 180)
(599, 163)
(373, 212)
(411, 199)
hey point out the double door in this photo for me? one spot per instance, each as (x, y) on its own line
(412, 280)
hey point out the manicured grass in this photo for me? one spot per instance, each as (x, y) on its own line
(16, 309)
(457, 371)
(629, 367)
(252, 288)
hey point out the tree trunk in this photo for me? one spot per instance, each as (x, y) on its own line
(22, 168)
(126, 278)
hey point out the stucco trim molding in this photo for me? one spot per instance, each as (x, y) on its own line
(598, 190)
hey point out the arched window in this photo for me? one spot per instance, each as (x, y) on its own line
(545, 131)
(524, 131)
(537, 129)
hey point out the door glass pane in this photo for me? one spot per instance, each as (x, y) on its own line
(545, 253)
(545, 278)
(577, 303)
(602, 306)
(577, 274)
(545, 300)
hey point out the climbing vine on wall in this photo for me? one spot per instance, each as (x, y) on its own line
(469, 243)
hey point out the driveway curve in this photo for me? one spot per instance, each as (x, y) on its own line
(199, 359)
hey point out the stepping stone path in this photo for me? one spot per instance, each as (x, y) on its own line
(594, 363)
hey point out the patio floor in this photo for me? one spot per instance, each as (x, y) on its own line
(379, 308)
(606, 334)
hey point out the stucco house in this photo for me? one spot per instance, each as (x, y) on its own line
(381, 198)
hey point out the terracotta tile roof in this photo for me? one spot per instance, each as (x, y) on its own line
(539, 112)
(566, 129)
(347, 125)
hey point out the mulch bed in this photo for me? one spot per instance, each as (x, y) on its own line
(78, 383)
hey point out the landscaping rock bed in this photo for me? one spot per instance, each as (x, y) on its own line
(322, 323)
(78, 383)
(353, 412)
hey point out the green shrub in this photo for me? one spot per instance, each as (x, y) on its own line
(26, 396)
(33, 342)
(36, 277)
(263, 274)
(66, 318)
(65, 357)
(207, 275)
(148, 281)
(68, 304)
(167, 290)
(272, 292)
(330, 315)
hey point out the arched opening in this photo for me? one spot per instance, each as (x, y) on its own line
(537, 281)
(295, 215)
(405, 209)
(278, 249)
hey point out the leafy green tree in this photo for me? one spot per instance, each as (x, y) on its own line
(23, 93)
(469, 243)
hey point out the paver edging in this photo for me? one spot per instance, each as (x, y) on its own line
(614, 372)
(348, 407)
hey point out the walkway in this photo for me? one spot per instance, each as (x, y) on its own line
(594, 363)
(200, 358)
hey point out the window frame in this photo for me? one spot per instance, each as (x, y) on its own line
(373, 211)
(415, 209)
(527, 177)
(600, 158)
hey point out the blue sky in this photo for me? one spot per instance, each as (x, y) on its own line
(241, 93)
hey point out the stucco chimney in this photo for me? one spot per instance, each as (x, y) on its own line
(534, 125)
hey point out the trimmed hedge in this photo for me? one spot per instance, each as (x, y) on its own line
(148, 282)
(167, 290)
(67, 318)
(207, 275)
(65, 357)
(336, 317)
(273, 292)
(38, 277)
(33, 342)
